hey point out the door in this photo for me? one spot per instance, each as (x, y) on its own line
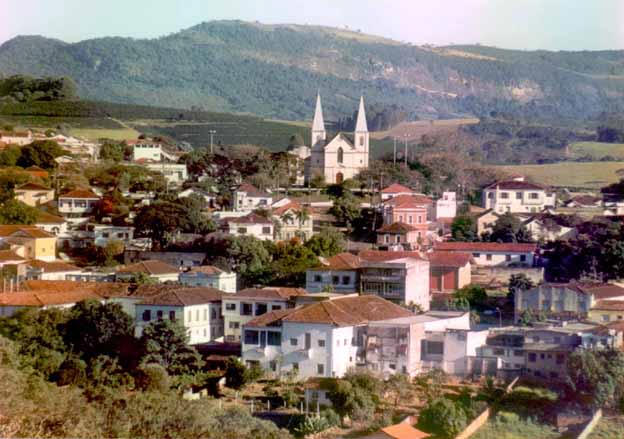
(339, 178)
(308, 340)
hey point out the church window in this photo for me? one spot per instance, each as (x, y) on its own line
(361, 140)
(340, 155)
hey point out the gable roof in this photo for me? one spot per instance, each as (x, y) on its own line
(32, 187)
(103, 289)
(292, 205)
(184, 297)
(206, 269)
(397, 228)
(585, 200)
(449, 259)
(252, 191)
(515, 185)
(152, 266)
(53, 266)
(80, 193)
(276, 293)
(10, 255)
(48, 218)
(609, 305)
(341, 261)
(28, 298)
(20, 229)
(404, 431)
(252, 218)
(512, 247)
(598, 289)
(385, 256)
(396, 188)
(409, 201)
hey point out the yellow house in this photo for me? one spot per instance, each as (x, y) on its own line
(29, 242)
(605, 311)
(33, 194)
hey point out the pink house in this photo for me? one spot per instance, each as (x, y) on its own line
(413, 210)
(398, 234)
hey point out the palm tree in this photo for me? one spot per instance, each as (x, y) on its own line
(287, 217)
(302, 216)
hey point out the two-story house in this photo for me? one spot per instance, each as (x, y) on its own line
(247, 304)
(337, 274)
(197, 309)
(516, 196)
(155, 269)
(493, 253)
(209, 276)
(293, 220)
(29, 242)
(413, 210)
(565, 300)
(251, 224)
(175, 173)
(33, 194)
(77, 204)
(247, 198)
(449, 271)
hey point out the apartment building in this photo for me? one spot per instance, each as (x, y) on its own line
(248, 197)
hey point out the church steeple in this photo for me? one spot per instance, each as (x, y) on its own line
(361, 129)
(318, 125)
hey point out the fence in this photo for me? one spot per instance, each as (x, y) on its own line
(590, 425)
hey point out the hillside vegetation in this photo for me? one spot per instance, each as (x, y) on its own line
(275, 71)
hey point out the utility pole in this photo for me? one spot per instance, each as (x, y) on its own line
(394, 160)
(405, 150)
(212, 133)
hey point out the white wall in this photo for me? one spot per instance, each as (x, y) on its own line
(496, 258)
(233, 316)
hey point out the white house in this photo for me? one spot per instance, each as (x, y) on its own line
(20, 138)
(446, 206)
(146, 150)
(251, 225)
(493, 253)
(452, 350)
(517, 196)
(338, 274)
(155, 269)
(53, 224)
(341, 158)
(78, 203)
(247, 198)
(33, 194)
(294, 221)
(394, 190)
(197, 309)
(209, 276)
(249, 303)
(174, 173)
(54, 270)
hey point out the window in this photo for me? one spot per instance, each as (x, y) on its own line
(518, 195)
(346, 280)
(560, 359)
(435, 347)
(276, 307)
(308, 340)
(335, 280)
(554, 375)
(488, 257)
(230, 306)
(320, 369)
(205, 314)
(266, 230)
(318, 278)
(273, 365)
(419, 219)
(557, 339)
(159, 314)
(213, 313)
(490, 195)
(392, 366)
(241, 230)
(476, 255)
(522, 258)
(172, 316)
(251, 337)
(246, 309)
(499, 351)
(261, 308)
(190, 315)
(504, 195)
(293, 342)
(197, 315)
(147, 315)
(536, 339)
(361, 142)
(321, 343)
(508, 258)
(518, 353)
(532, 358)
(409, 218)
(542, 356)
(387, 238)
(296, 366)
(274, 338)
(234, 325)
(340, 155)
(533, 195)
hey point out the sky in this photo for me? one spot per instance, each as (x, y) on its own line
(513, 24)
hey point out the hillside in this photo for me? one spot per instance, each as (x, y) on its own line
(274, 71)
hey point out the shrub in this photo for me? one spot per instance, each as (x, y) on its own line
(72, 371)
(235, 376)
(443, 417)
(152, 377)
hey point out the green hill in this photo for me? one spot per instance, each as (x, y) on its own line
(275, 71)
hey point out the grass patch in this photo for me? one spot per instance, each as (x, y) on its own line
(611, 427)
(509, 426)
(597, 150)
(590, 175)
(101, 133)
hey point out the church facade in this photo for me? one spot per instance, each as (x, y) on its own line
(342, 157)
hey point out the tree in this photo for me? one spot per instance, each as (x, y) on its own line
(327, 243)
(400, 385)
(443, 417)
(16, 212)
(291, 259)
(518, 282)
(152, 377)
(40, 153)
(112, 151)
(159, 221)
(346, 208)
(108, 254)
(508, 228)
(10, 155)
(235, 373)
(474, 294)
(9, 179)
(464, 228)
(247, 255)
(166, 343)
(97, 329)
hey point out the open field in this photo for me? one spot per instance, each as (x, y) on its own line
(596, 150)
(414, 130)
(100, 133)
(590, 175)
(519, 429)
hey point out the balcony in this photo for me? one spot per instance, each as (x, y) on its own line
(382, 278)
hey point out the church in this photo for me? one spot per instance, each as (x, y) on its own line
(342, 157)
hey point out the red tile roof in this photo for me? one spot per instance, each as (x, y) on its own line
(32, 187)
(474, 247)
(185, 297)
(397, 189)
(448, 259)
(48, 218)
(609, 305)
(516, 185)
(597, 289)
(341, 261)
(252, 191)
(409, 202)
(80, 193)
(383, 256)
(10, 255)
(404, 431)
(293, 205)
(275, 293)
(153, 266)
(103, 289)
(397, 228)
(252, 218)
(53, 266)
(586, 200)
(29, 231)
(27, 298)
(206, 269)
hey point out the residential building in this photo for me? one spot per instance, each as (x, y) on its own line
(37, 172)
(517, 195)
(493, 253)
(605, 311)
(55, 270)
(56, 225)
(394, 190)
(10, 258)
(485, 221)
(565, 300)
(209, 276)
(446, 206)
(449, 271)
(155, 269)
(78, 203)
(177, 259)
(29, 242)
(548, 228)
(197, 309)
(251, 224)
(414, 210)
(341, 158)
(338, 274)
(33, 194)
(294, 221)
(584, 202)
(146, 150)
(399, 236)
(247, 198)
(174, 173)
(99, 235)
(19, 138)
(247, 304)
(452, 350)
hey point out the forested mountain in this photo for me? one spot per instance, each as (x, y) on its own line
(276, 70)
